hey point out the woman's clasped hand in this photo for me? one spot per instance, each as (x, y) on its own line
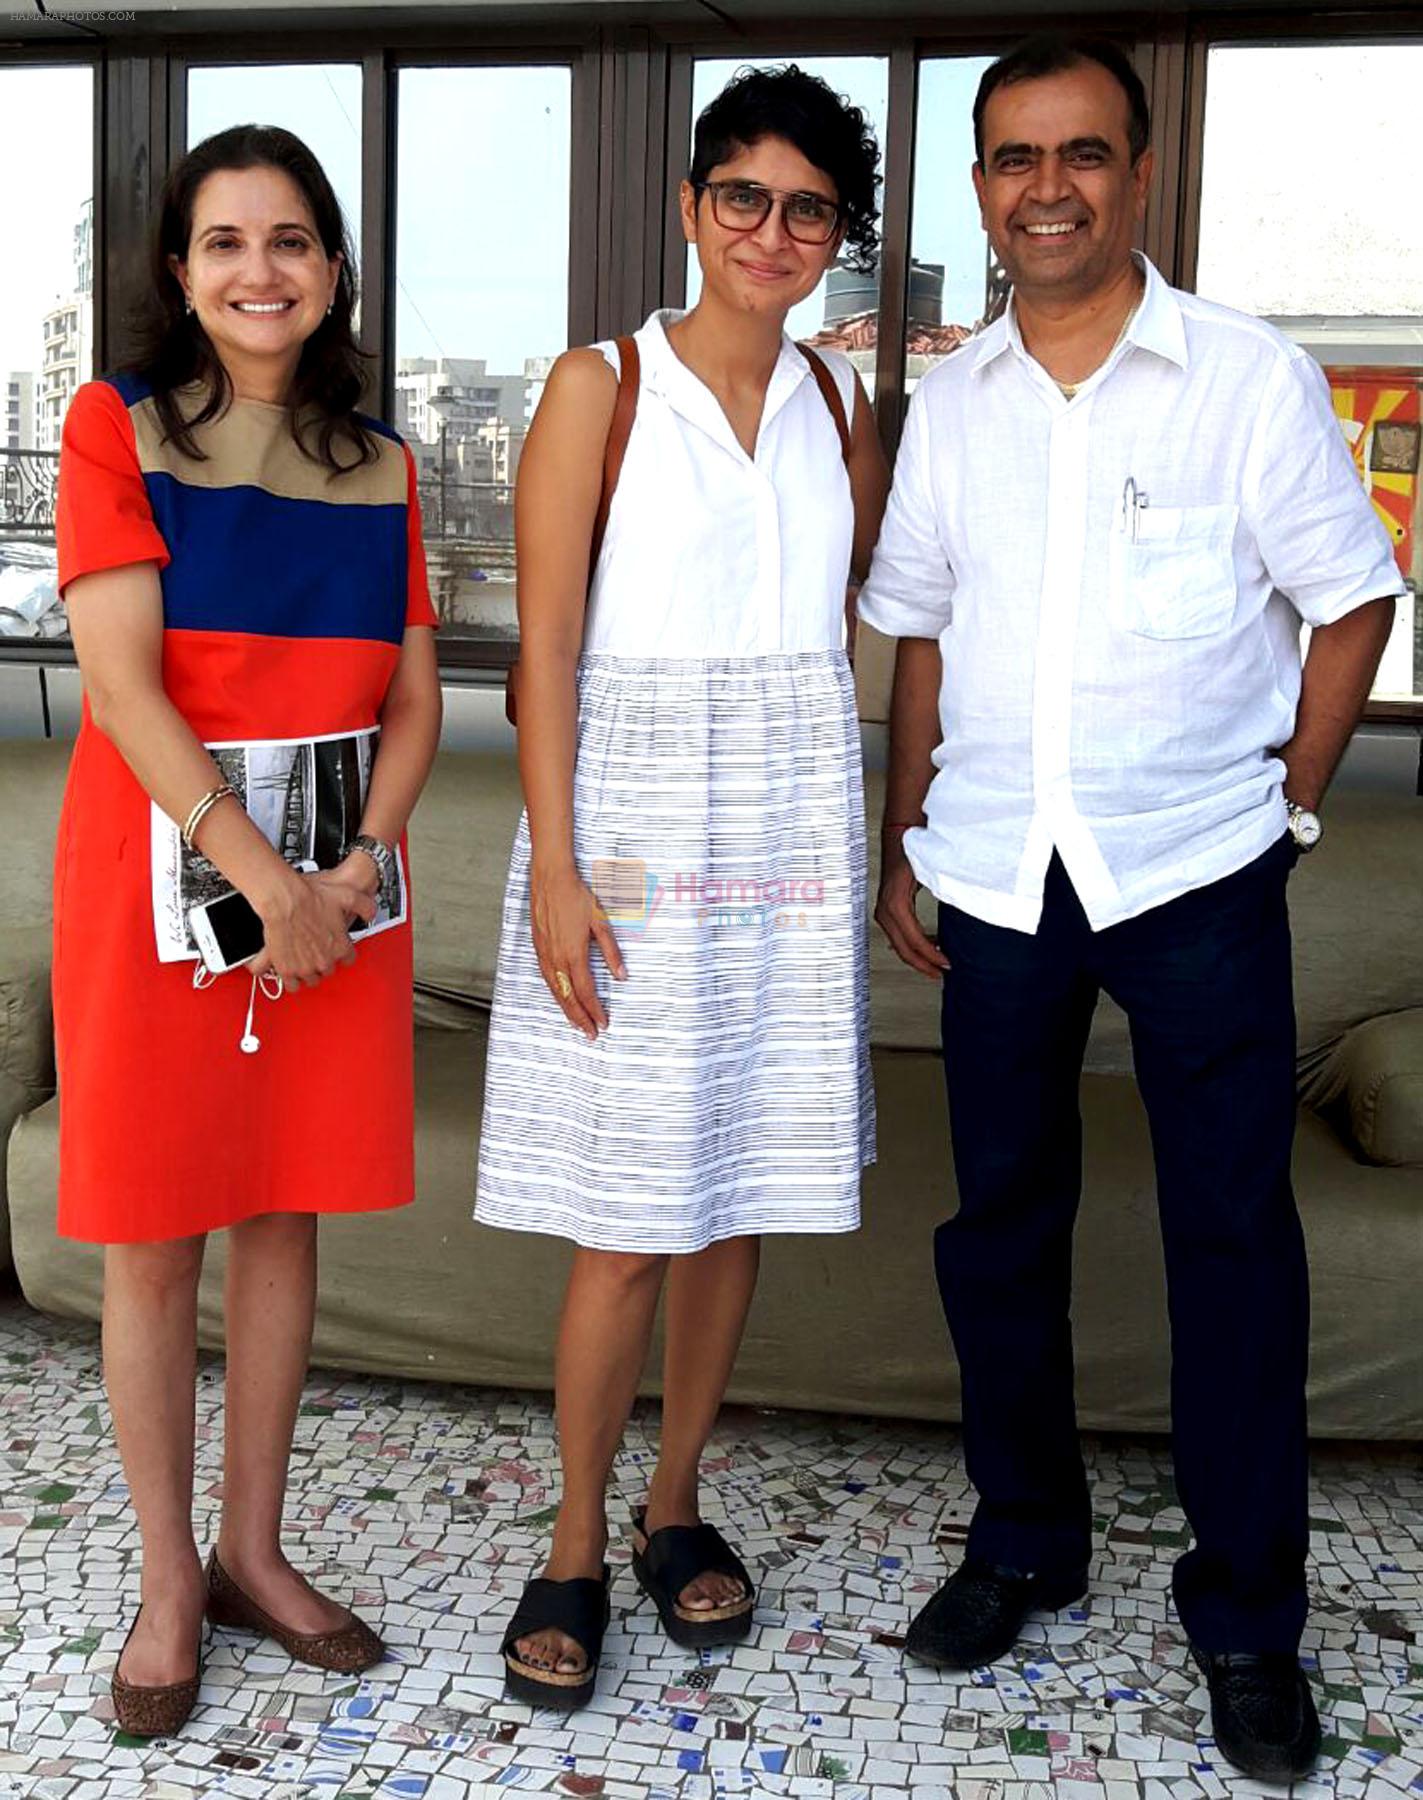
(306, 925)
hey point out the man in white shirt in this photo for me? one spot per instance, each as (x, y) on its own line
(1112, 510)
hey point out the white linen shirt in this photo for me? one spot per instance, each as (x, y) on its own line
(1115, 676)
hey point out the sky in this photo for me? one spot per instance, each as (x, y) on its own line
(1304, 207)
(1309, 188)
(44, 128)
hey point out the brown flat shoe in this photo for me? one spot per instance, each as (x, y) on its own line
(154, 1711)
(349, 1650)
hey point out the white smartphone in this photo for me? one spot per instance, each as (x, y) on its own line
(227, 931)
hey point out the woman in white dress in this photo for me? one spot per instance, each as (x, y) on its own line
(691, 764)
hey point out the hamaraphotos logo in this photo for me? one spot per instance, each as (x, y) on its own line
(631, 896)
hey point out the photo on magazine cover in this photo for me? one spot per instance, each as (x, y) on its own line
(306, 797)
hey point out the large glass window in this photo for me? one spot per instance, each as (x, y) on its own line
(951, 278)
(844, 309)
(46, 321)
(482, 225)
(320, 102)
(1306, 221)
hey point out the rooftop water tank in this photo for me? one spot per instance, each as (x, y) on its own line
(849, 293)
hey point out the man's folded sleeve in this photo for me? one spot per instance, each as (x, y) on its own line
(1322, 544)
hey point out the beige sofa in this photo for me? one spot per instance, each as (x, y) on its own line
(844, 1324)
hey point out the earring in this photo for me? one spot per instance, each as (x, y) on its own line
(331, 309)
(187, 303)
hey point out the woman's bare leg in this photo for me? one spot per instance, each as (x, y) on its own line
(150, 1370)
(602, 1345)
(270, 1305)
(708, 1297)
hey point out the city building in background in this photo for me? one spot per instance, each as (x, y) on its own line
(466, 429)
(17, 418)
(453, 394)
(67, 338)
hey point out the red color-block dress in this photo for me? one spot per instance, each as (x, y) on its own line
(286, 593)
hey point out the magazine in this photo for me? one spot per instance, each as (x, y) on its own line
(306, 796)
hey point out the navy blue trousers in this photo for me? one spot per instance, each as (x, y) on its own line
(1205, 982)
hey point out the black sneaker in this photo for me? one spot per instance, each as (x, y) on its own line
(977, 1614)
(1262, 1713)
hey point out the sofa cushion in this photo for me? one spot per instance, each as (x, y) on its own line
(26, 1016)
(1372, 864)
(846, 1323)
(1371, 1084)
(460, 839)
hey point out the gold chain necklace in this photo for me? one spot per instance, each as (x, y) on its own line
(1069, 389)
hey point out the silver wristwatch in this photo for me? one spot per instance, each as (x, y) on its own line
(1305, 826)
(380, 854)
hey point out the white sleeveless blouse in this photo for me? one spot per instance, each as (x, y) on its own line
(709, 551)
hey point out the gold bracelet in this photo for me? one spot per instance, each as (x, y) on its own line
(201, 811)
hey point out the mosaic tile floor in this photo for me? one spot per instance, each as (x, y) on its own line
(428, 1507)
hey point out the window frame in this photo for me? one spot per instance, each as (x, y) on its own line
(1366, 25)
(631, 125)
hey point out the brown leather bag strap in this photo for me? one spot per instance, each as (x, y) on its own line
(619, 431)
(830, 393)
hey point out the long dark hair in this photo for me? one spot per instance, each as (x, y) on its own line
(170, 349)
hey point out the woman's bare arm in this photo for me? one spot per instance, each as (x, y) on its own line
(555, 505)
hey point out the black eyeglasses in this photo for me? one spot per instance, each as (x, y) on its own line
(745, 205)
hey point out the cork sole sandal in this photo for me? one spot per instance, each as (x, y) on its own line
(667, 1562)
(580, 1610)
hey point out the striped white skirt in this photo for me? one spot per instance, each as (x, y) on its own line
(719, 816)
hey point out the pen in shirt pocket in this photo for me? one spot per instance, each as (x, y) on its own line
(1134, 504)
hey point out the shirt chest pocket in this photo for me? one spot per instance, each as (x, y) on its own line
(1172, 570)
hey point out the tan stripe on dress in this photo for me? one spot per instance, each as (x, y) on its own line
(251, 445)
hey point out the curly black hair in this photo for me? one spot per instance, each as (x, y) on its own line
(823, 125)
(168, 346)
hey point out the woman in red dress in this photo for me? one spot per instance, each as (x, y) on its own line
(241, 558)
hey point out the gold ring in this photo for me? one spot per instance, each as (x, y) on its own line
(564, 985)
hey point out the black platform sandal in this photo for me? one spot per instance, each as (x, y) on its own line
(673, 1558)
(580, 1609)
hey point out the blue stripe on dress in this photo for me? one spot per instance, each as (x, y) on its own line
(219, 580)
(131, 389)
(378, 428)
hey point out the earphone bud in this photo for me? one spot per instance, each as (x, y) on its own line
(269, 982)
(249, 1043)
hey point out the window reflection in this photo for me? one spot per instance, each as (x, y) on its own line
(843, 311)
(1311, 236)
(952, 283)
(46, 322)
(481, 311)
